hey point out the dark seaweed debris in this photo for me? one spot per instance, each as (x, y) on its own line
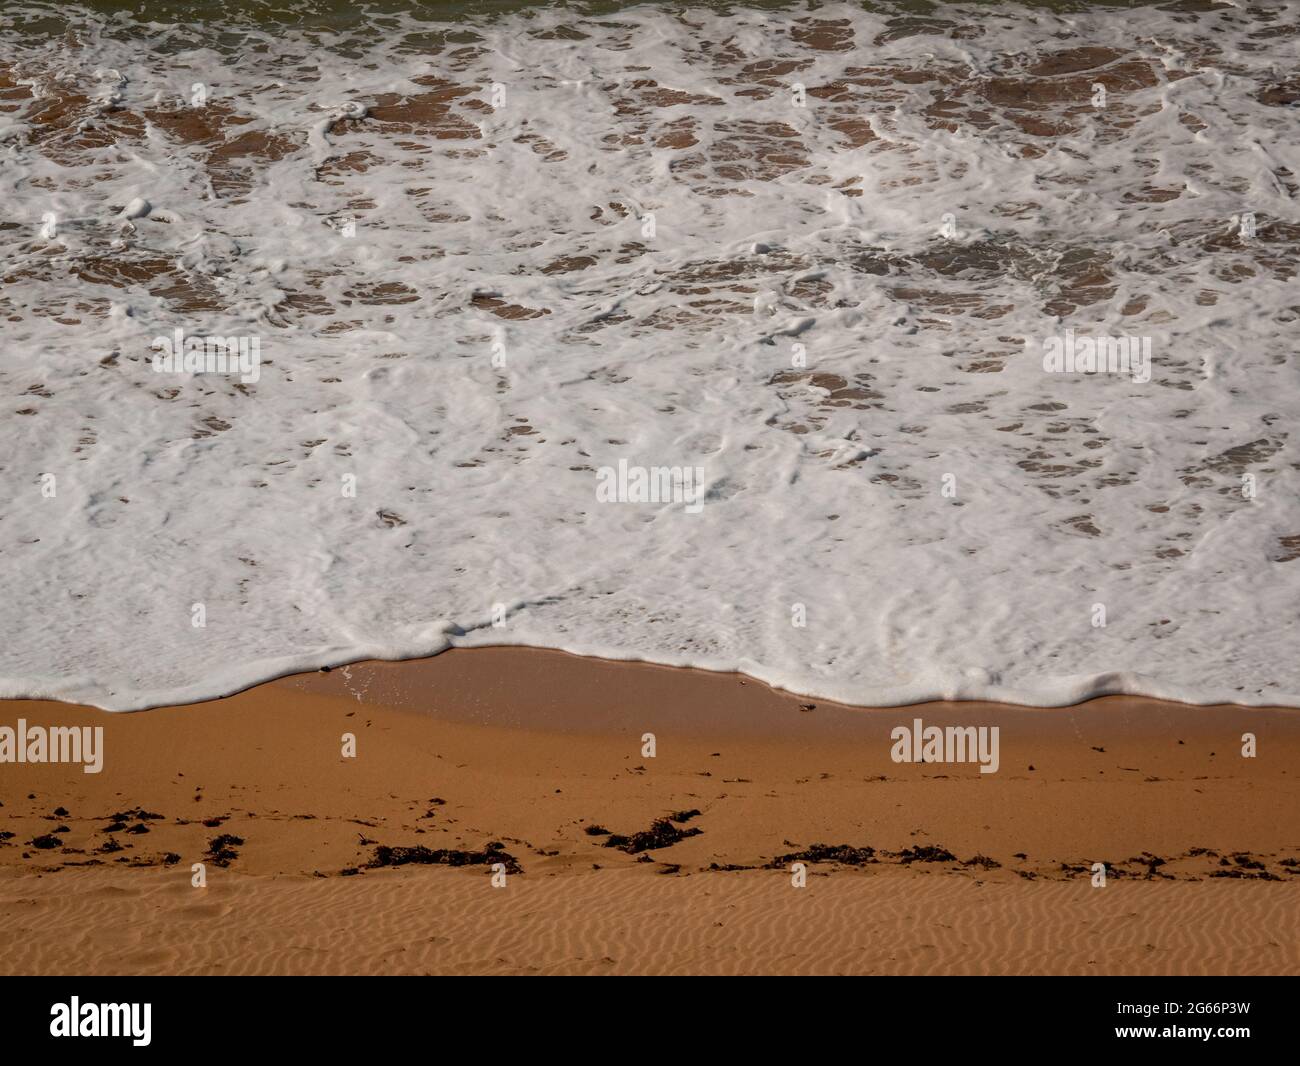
(1152, 863)
(420, 855)
(844, 854)
(926, 853)
(661, 834)
(1262, 875)
(222, 849)
(1246, 867)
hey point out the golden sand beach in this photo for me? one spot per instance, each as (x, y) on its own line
(317, 862)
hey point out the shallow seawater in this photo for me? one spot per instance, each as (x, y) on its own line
(487, 263)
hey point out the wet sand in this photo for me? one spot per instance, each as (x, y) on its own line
(531, 764)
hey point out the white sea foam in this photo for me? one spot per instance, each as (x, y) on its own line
(945, 514)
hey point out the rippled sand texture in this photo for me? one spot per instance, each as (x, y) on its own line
(449, 922)
(485, 260)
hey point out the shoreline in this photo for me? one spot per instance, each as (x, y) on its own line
(368, 663)
(466, 676)
(568, 666)
(680, 862)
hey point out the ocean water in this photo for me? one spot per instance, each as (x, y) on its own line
(811, 255)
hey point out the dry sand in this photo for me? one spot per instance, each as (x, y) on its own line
(512, 756)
